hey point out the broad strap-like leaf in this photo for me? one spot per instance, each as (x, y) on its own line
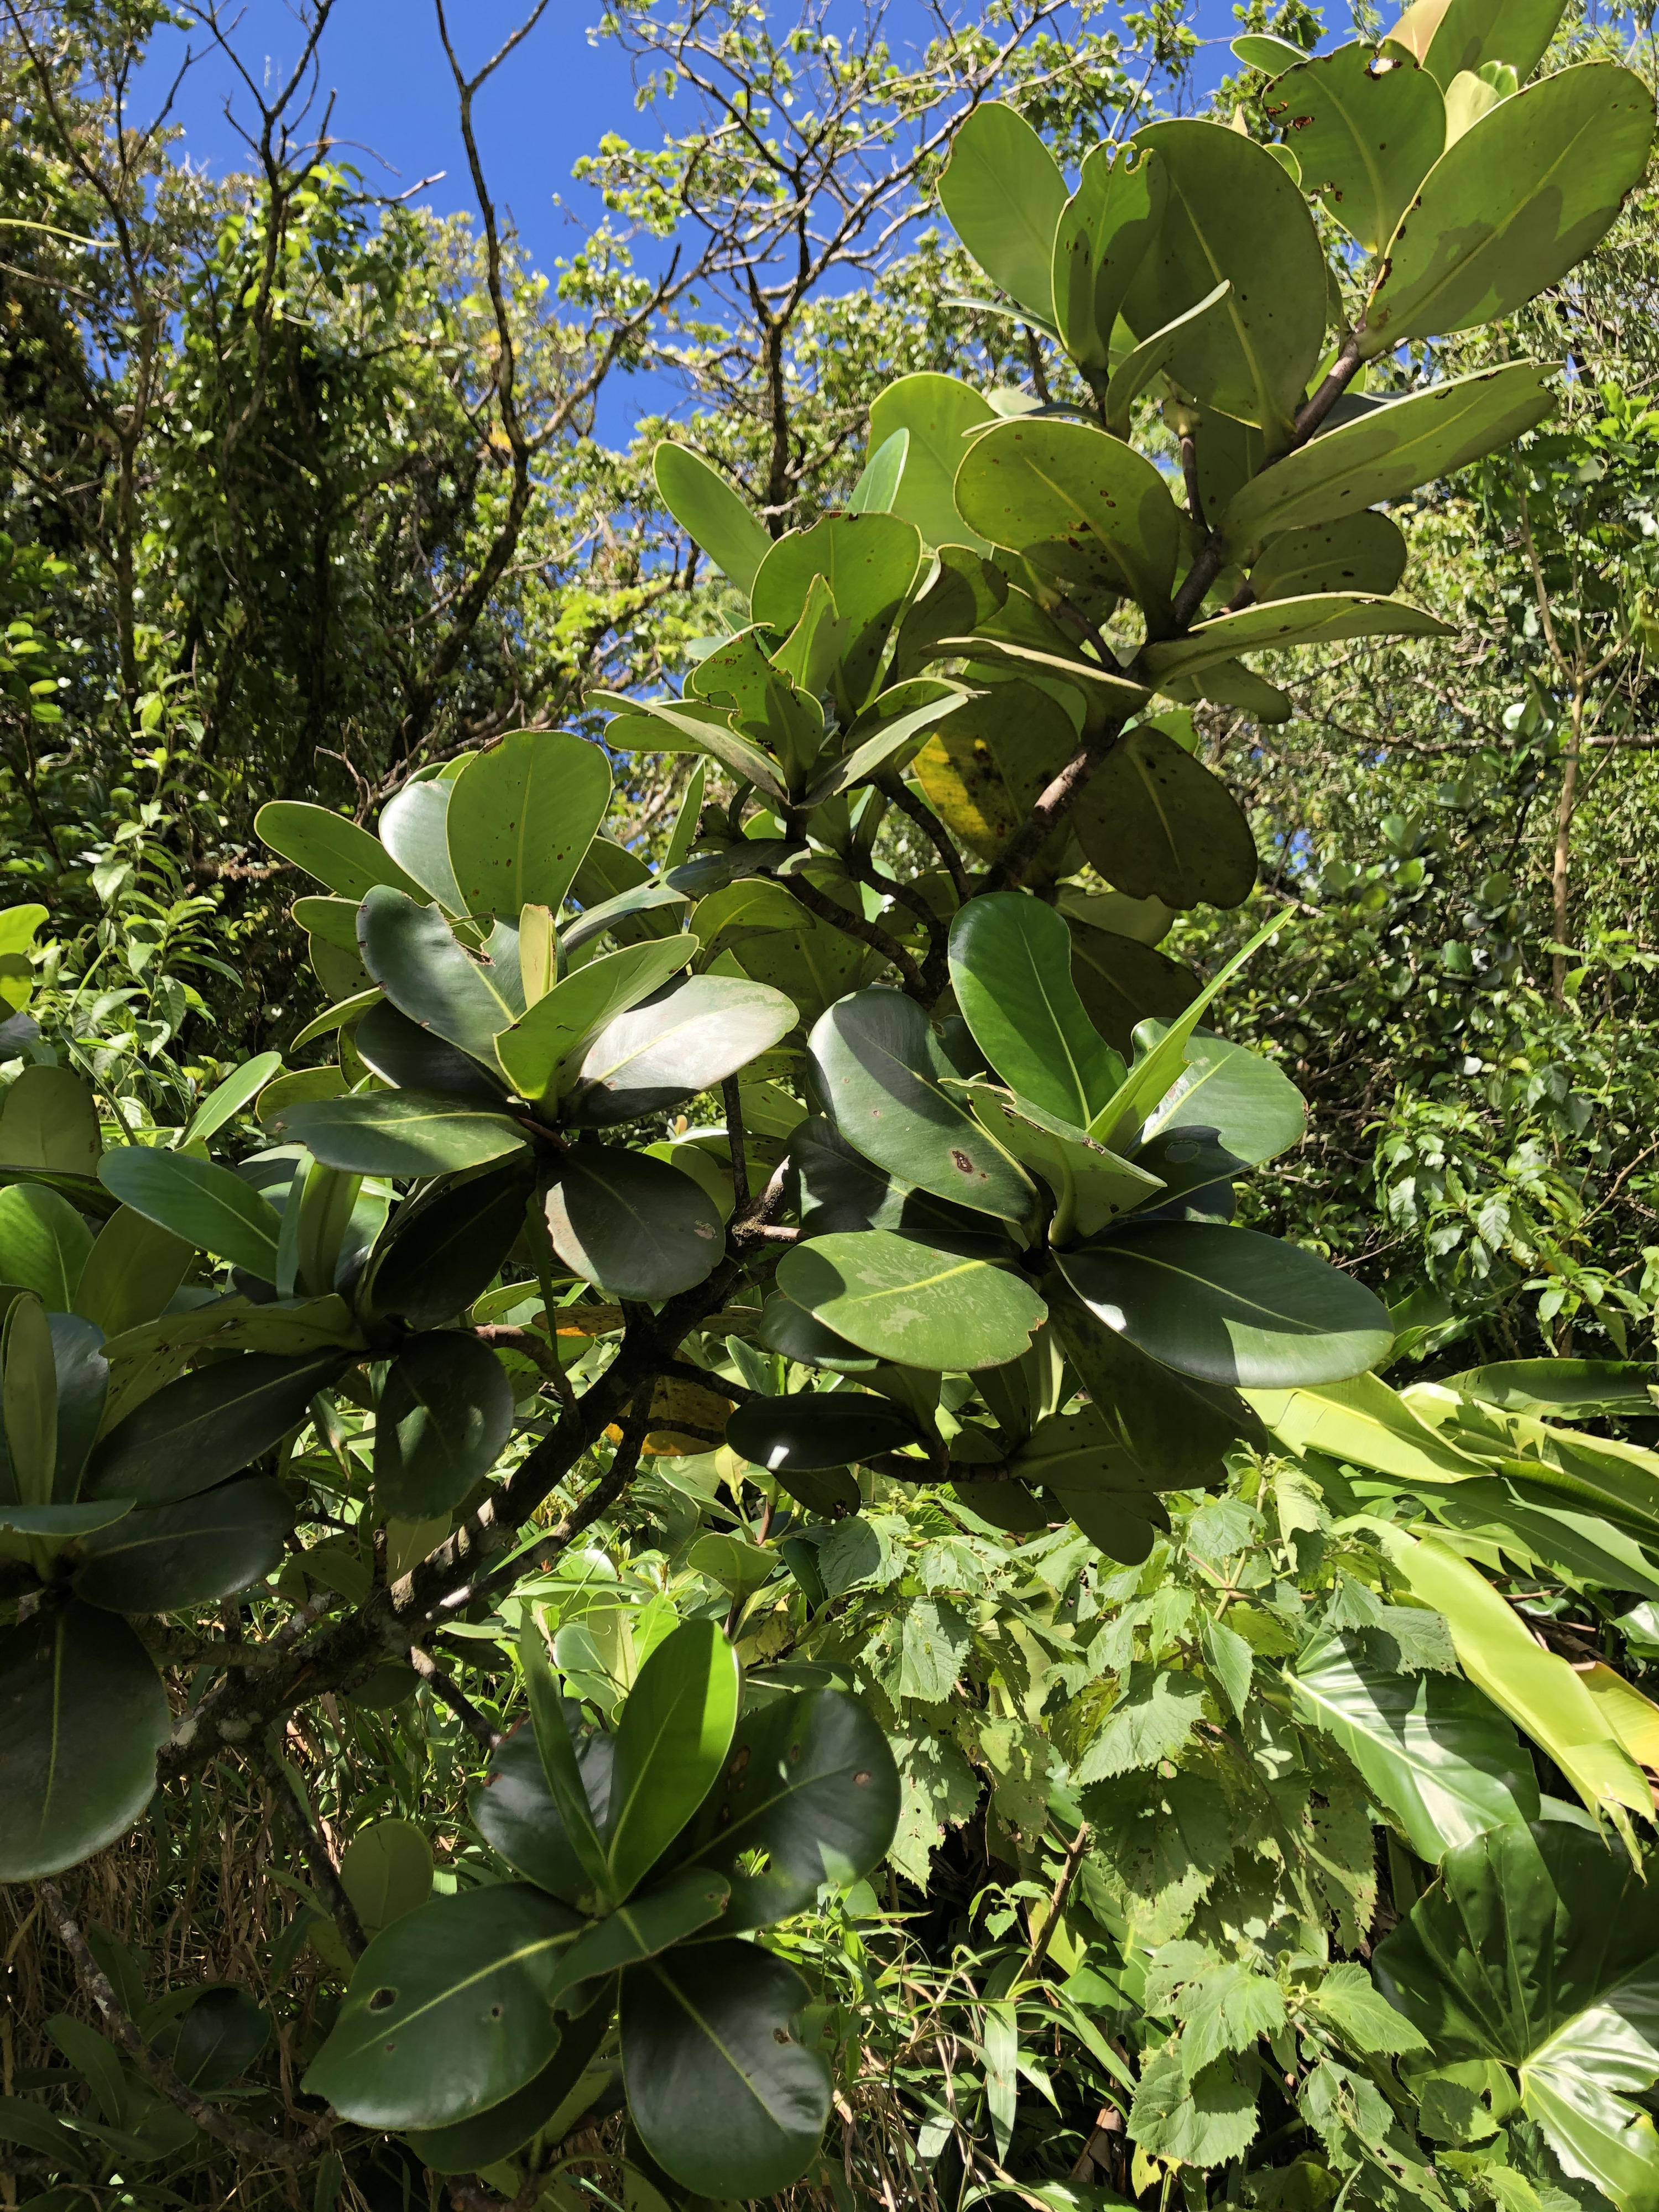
(213, 1209)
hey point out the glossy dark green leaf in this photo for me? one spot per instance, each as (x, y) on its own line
(556, 1722)
(82, 1715)
(1230, 1306)
(808, 1794)
(412, 953)
(675, 1731)
(386, 1871)
(1005, 196)
(444, 1415)
(414, 827)
(1123, 982)
(522, 814)
(934, 410)
(1511, 205)
(706, 508)
(219, 2038)
(134, 1267)
(215, 1210)
(207, 1425)
(881, 1073)
(1324, 618)
(470, 2146)
(1536, 1947)
(1248, 1099)
(533, 1049)
(59, 1525)
(1092, 1187)
(1363, 552)
(1030, 484)
(1124, 1525)
(1010, 965)
(789, 1329)
(1367, 124)
(1103, 230)
(44, 1244)
(516, 1814)
(839, 1189)
(1435, 1752)
(1082, 1451)
(444, 1250)
(912, 1305)
(1390, 450)
(814, 1430)
(1197, 1174)
(411, 1057)
(49, 1120)
(1158, 825)
(687, 1038)
(326, 846)
(449, 2010)
(1176, 1427)
(160, 1558)
(723, 2095)
(29, 1399)
(1232, 212)
(399, 1133)
(635, 1226)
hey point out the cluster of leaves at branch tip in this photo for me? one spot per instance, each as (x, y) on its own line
(1008, 1142)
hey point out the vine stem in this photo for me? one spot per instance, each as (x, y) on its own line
(252, 2143)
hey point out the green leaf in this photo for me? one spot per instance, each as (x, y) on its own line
(568, 1776)
(1325, 618)
(83, 1381)
(878, 486)
(881, 1073)
(1368, 124)
(723, 2093)
(1010, 965)
(53, 1528)
(1083, 1451)
(913, 1306)
(325, 845)
(219, 2038)
(386, 1871)
(1158, 825)
(935, 411)
(1005, 199)
(444, 1415)
(449, 2010)
(134, 1267)
(1123, 982)
(84, 1715)
(196, 1430)
(1347, 2001)
(886, 734)
(556, 1025)
(788, 1328)
(1230, 1659)
(29, 1399)
(681, 726)
(209, 1206)
(1232, 212)
(50, 1119)
(44, 1244)
(411, 952)
(675, 1732)
(1103, 230)
(1440, 1756)
(447, 1246)
(687, 1038)
(841, 1189)
(987, 763)
(1092, 1187)
(707, 509)
(522, 815)
(1154, 355)
(518, 1815)
(159, 1558)
(401, 1053)
(1230, 1306)
(633, 1225)
(1389, 450)
(1513, 205)
(1536, 1947)
(1155, 1715)
(226, 1099)
(1253, 1108)
(870, 562)
(1563, 1389)
(813, 1429)
(471, 2146)
(1079, 504)
(1221, 2004)
(1204, 2122)
(647, 1925)
(1167, 1421)
(414, 827)
(1365, 1422)
(399, 1133)
(1363, 552)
